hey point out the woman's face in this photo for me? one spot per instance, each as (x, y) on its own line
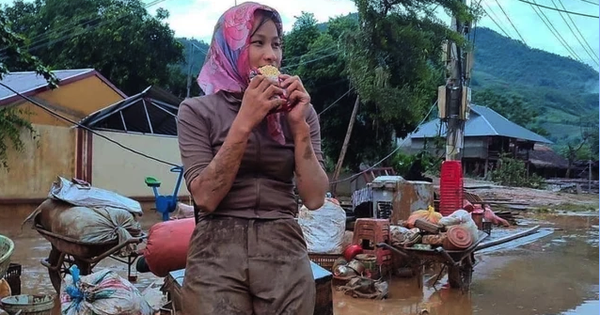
(265, 45)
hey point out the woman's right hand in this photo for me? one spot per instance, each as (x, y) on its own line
(258, 100)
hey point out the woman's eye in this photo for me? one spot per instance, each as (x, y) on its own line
(257, 42)
(277, 45)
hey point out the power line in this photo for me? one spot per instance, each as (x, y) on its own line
(575, 35)
(590, 2)
(555, 32)
(340, 98)
(40, 43)
(555, 9)
(511, 23)
(579, 32)
(53, 113)
(351, 177)
(491, 18)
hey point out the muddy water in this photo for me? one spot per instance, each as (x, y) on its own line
(557, 274)
(31, 247)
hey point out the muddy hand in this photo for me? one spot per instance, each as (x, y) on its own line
(259, 99)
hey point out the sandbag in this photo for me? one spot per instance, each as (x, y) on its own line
(93, 225)
(430, 215)
(80, 193)
(100, 293)
(323, 228)
(167, 245)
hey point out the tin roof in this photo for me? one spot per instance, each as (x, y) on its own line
(483, 121)
(29, 82)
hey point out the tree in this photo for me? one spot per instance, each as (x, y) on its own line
(512, 107)
(394, 62)
(12, 121)
(119, 38)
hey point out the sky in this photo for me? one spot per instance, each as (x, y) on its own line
(196, 19)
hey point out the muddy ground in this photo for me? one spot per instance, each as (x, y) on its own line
(554, 274)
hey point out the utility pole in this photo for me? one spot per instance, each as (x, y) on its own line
(453, 101)
(190, 62)
(340, 161)
(454, 97)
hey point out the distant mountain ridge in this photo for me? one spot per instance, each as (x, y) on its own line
(563, 90)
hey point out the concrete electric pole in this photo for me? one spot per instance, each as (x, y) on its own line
(454, 97)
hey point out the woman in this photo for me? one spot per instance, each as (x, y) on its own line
(247, 254)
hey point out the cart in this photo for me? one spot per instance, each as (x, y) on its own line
(67, 252)
(460, 263)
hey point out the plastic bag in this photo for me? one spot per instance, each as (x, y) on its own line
(92, 225)
(463, 218)
(183, 211)
(100, 293)
(430, 215)
(80, 193)
(323, 228)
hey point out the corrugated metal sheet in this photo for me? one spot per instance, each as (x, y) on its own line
(26, 81)
(483, 121)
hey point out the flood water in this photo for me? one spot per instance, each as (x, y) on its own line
(556, 274)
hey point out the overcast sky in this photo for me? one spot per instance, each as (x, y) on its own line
(196, 18)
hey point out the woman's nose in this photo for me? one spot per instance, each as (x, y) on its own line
(269, 55)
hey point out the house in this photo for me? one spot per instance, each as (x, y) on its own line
(57, 150)
(133, 139)
(487, 134)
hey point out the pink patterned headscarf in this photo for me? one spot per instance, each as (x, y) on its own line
(227, 65)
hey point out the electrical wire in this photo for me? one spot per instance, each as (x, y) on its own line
(40, 43)
(555, 32)
(352, 177)
(555, 9)
(53, 113)
(575, 35)
(579, 32)
(511, 23)
(491, 18)
(340, 98)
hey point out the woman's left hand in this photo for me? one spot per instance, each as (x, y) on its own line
(296, 95)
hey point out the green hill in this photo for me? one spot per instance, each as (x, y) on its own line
(563, 90)
(198, 50)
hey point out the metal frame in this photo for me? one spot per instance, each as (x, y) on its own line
(167, 108)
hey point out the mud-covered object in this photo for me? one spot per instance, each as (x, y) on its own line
(323, 228)
(92, 225)
(81, 193)
(461, 218)
(101, 293)
(366, 288)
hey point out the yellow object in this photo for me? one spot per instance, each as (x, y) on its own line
(430, 215)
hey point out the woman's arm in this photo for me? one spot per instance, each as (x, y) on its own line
(208, 177)
(214, 182)
(311, 180)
